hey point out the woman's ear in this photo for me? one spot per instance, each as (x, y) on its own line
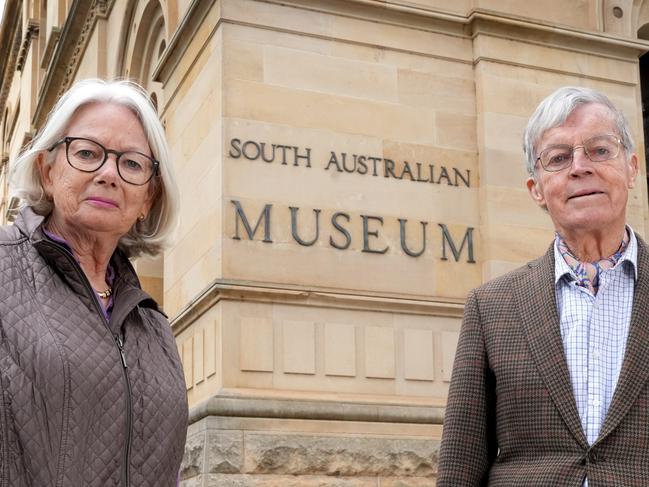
(45, 173)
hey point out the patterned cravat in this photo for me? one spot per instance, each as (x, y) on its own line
(588, 273)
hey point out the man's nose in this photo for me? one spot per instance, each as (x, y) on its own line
(580, 161)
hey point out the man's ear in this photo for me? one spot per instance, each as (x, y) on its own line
(633, 171)
(536, 192)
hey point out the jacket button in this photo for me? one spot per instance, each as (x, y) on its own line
(582, 461)
(592, 456)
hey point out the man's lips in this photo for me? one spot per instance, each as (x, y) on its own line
(105, 202)
(589, 192)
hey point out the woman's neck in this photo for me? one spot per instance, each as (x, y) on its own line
(92, 251)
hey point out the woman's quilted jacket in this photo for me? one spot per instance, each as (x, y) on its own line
(83, 401)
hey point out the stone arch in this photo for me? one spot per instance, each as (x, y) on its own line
(144, 37)
(5, 128)
(641, 30)
(640, 17)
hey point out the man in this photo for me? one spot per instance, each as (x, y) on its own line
(550, 383)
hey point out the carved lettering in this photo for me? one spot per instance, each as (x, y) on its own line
(404, 244)
(333, 160)
(348, 238)
(374, 233)
(241, 216)
(294, 232)
(466, 240)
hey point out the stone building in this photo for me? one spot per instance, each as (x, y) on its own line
(349, 169)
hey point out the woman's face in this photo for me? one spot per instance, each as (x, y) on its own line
(101, 202)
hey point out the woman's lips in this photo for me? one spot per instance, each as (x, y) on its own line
(102, 202)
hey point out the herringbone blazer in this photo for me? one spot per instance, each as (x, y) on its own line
(511, 418)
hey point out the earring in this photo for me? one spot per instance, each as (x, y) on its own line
(141, 217)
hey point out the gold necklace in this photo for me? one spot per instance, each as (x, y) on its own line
(105, 294)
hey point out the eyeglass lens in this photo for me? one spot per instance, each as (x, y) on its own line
(598, 149)
(87, 155)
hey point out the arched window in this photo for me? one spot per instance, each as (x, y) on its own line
(144, 39)
(643, 33)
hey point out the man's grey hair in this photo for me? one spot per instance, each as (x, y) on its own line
(556, 108)
(148, 236)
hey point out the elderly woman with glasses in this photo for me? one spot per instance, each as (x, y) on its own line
(92, 391)
(550, 384)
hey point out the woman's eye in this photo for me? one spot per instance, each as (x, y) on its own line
(132, 165)
(85, 154)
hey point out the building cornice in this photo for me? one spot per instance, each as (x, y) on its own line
(237, 290)
(229, 405)
(30, 33)
(181, 39)
(405, 14)
(11, 37)
(487, 22)
(69, 50)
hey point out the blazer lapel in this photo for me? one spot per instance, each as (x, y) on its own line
(635, 367)
(534, 293)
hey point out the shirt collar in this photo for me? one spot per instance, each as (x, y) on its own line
(630, 255)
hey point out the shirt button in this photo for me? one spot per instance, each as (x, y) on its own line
(596, 402)
(596, 354)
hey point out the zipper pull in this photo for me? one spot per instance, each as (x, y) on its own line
(120, 344)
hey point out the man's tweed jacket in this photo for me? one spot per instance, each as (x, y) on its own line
(512, 419)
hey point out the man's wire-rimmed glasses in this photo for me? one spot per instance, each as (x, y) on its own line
(598, 149)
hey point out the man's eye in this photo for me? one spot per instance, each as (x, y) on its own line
(558, 159)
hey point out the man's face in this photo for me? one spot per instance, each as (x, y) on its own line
(587, 196)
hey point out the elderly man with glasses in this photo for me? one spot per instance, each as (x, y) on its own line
(550, 384)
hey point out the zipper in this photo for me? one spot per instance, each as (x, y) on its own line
(4, 433)
(119, 342)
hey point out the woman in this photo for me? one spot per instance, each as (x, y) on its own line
(92, 389)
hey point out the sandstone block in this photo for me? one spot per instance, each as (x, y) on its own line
(340, 456)
(220, 480)
(224, 451)
(194, 456)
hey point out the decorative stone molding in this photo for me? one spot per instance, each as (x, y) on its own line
(30, 33)
(179, 43)
(78, 27)
(222, 289)
(253, 407)
(100, 8)
(53, 38)
(11, 36)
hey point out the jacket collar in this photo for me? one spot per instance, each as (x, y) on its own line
(29, 223)
(534, 294)
(127, 291)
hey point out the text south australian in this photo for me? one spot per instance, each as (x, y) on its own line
(343, 162)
